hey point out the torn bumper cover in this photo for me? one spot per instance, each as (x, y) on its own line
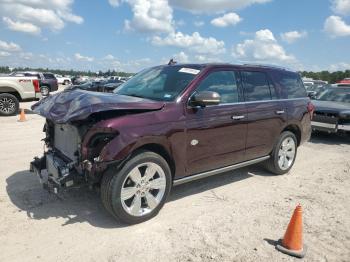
(54, 172)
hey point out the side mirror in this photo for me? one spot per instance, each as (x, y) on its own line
(205, 98)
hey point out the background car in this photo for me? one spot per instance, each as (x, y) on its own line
(78, 80)
(47, 81)
(63, 80)
(15, 89)
(332, 110)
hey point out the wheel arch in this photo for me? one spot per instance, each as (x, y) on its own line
(12, 91)
(295, 130)
(160, 150)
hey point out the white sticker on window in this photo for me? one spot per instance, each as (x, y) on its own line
(167, 96)
(189, 71)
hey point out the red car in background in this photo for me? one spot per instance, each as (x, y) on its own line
(344, 81)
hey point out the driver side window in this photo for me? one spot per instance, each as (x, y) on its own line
(222, 82)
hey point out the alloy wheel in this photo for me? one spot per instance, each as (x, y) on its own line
(7, 105)
(143, 189)
(286, 153)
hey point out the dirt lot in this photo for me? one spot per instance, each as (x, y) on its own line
(231, 217)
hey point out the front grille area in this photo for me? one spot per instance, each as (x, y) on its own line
(332, 115)
(325, 117)
(67, 140)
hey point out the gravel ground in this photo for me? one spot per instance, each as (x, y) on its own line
(236, 216)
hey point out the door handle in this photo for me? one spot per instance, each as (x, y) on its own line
(280, 112)
(237, 117)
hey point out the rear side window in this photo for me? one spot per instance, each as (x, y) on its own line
(256, 86)
(222, 82)
(291, 85)
(32, 75)
(49, 76)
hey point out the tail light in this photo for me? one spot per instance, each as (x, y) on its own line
(311, 109)
(36, 86)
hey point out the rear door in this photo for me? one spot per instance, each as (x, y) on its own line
(216, 135)
(266, 116)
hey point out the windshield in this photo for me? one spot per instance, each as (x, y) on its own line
(162, 83)
(335, 94)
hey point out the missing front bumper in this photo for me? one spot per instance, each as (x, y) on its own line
(54, 172)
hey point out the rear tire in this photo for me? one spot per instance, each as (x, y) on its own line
(137, 191)
(66, 82)
(283, 154)
(45, 91)
(9, 105)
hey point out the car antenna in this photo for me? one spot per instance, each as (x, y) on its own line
(172, 62)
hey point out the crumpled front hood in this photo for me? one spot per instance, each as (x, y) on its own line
(330, 106)
(71, 105)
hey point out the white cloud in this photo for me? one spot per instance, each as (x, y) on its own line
(194, 42)
(114, 3)
(80, 57)
(263, 48)
(210, 6)
(198, 23)
(181, 57)
(9, 47)
(336, 27)
(109, 57)
(154, 16)
(342, 66)
(26, 55)
(4, 53)
(21, 26)
(226, 20)
(33, 15)
(293, 36)
(206, 59)
(69, 17)
(341, 7)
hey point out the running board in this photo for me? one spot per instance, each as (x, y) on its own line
(218, 171)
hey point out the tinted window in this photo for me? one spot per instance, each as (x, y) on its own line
(292, 86)
(222, 82)
(49, 76)
(162, 83)
(32, 75)
(335, 94)
(256, 86)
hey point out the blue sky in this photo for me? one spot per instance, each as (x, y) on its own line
(129, 35)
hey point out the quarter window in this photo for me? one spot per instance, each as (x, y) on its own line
(256, 86)
(222, 82)
(291, 85)
(49, 76)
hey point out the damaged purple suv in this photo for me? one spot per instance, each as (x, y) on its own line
(169, 125)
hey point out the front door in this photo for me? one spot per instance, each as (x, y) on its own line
(216, 135)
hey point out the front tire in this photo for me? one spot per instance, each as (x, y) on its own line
(138, 190)
(9, 105)
(283, 154)
(66, 82)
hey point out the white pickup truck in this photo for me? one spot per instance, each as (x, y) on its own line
(16, 89)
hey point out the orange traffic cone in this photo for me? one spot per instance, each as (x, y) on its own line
(292, 242)
(22, 116)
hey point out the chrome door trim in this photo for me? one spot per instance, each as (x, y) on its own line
(251, 102)
(218, 171)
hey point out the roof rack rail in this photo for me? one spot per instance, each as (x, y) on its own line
(268, 66)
